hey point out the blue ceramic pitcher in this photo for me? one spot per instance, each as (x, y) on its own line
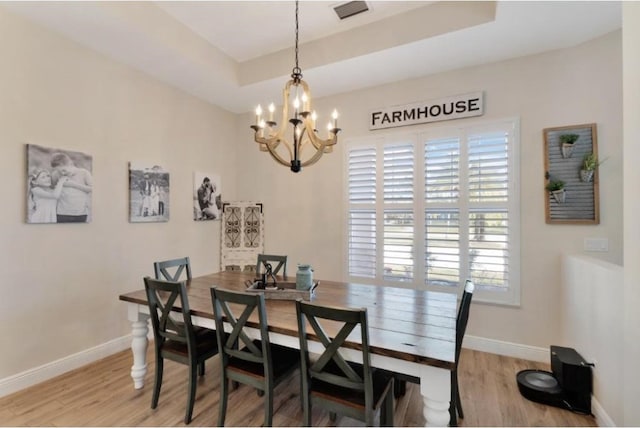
(304, 277)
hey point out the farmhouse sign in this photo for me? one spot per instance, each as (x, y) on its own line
(456, 107)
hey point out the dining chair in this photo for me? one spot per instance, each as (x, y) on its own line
(354, 390)
(257, 363)
(175, 337)
(164, 270)
(455, 407)
(281, 261)
(461, 327)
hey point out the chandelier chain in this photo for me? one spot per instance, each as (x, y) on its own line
(296, 73)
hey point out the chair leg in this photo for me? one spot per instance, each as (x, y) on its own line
(453, 420)
(306, 409)
(458, 401)
(268, 407)
(191, 398)
(201, 369)
(158, 382)
(369, 418)
(224, 394)
(387, 412)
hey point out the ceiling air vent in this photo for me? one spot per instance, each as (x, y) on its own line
(351, 8)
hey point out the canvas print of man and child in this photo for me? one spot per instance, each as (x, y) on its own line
(59, 185)
(149, 193)
(207, 196)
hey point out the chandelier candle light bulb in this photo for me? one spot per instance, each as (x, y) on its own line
(258, 114)
(305, 135)
(272, 108)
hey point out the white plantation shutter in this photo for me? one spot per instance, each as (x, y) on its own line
(362, 243)
(489, 215)
(398, 173)
(446, 197)
(398, 245)
(488, 167)
(489, 248)
(398, 224)
(362, 175)
(442, 216)
(362, 221)
(442, 170)
(442, 247)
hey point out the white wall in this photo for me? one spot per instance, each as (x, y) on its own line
(592, 295)
(631, 100)
(60, 283)
(304, 213)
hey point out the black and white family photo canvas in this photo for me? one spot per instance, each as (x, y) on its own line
(207, 196)
(148, 193)
(59, 185)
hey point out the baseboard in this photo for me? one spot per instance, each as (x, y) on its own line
(50, 370)
(602, 418)
(509, 349)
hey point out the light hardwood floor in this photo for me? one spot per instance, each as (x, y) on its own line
(102, 394)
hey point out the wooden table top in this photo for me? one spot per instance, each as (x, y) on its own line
(405, 324)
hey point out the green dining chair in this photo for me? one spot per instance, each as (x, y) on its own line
(461, 327)
(341, 387)
(164, 270)
(257, 363)
(277, 263)
(175, 337)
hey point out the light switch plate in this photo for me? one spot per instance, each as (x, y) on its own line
(596, 244)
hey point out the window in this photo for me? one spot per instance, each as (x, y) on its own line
(434, 208)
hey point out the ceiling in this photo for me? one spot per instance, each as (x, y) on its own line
(236, 54)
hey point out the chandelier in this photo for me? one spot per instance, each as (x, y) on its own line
(304, 133)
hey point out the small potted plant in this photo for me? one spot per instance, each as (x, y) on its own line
(566, 142)
(589, 165)
(556, 188)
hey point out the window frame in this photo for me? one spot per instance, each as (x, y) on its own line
(418, 135)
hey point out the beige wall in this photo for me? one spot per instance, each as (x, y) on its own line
(631, 83)
(60, 283)
(304, 213)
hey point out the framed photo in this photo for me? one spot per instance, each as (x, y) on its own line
(148, 193)
(59, 185)
(571, 175)
(207, 196)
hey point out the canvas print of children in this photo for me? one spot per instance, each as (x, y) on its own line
(148, 193)
(59, 185)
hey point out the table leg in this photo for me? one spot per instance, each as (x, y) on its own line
(435, 387)
(139, 342)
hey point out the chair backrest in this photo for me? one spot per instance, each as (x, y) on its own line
(463, 315)
(237, 343)
(163, 298)
(277, 263)
(163, 269)
(331, 367)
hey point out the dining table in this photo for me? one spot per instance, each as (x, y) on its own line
(411, 332)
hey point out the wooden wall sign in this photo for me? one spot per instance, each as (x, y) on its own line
(571, 175)
(455, 107)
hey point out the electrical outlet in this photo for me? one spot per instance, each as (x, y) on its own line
(596, 244)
